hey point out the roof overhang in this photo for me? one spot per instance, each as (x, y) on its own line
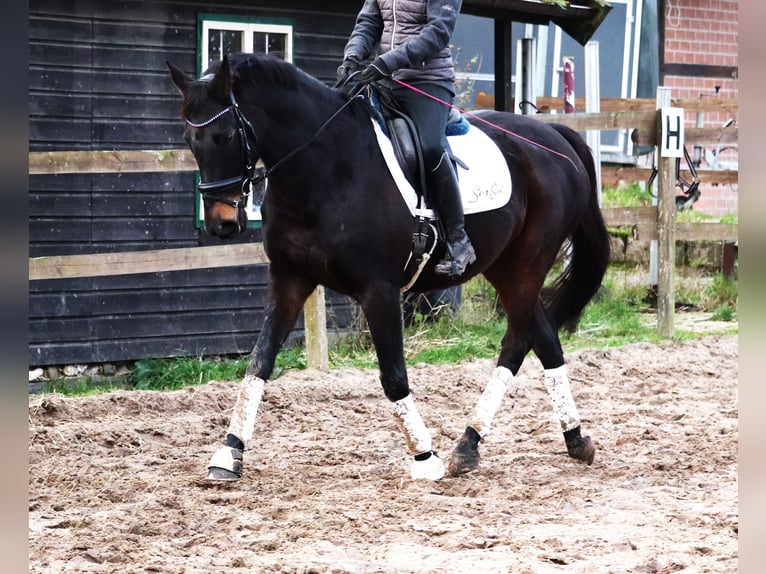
(579, 19)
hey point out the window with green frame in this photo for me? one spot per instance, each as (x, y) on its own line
(220, 35)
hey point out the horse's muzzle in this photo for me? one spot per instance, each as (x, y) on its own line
(225, 229)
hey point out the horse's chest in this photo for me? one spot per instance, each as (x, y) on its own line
(295, 244)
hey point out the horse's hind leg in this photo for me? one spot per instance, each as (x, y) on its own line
(548, 349)
(383, 314)
(516, 343)
(287, 298)
(542, 336)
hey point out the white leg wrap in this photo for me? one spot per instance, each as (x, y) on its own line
(489, 401)
(415, 432)
(242, 424)
(557, 384)
(418, 440)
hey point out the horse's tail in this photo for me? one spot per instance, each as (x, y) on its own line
(590, 249)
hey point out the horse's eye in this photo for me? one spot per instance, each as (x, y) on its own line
(224, 139)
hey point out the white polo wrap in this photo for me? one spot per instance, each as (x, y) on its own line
(489, 401)
(415, 432)
(242, 422)
(557, 384)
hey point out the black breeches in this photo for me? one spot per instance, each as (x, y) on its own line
(429, 117)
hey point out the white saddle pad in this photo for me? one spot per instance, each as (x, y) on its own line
(485, 185)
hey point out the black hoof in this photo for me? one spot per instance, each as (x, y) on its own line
(222, 474)
(582, 448)
(465, 457)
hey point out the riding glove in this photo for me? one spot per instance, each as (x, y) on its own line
(348, 68)
(375, 71)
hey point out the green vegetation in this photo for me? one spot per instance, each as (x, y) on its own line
(633, 195)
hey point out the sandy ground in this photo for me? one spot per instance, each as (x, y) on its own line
(116, 481)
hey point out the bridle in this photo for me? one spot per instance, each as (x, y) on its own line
(212, 190)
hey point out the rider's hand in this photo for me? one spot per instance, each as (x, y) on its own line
(375, 71)
(349, 66)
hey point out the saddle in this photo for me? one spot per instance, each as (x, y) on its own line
(400, 129)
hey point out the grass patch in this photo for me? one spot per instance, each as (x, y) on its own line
(632, 195)
(82, 386)
(172, 374)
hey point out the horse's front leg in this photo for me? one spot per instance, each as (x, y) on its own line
(285, 303)
(382, 310)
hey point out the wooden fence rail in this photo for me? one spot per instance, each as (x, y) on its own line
(155, 261)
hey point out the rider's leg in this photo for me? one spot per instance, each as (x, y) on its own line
(430, 118)
(443, 183)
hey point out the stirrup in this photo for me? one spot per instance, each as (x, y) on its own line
(459, 256)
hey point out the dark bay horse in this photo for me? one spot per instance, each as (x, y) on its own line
(332, 216)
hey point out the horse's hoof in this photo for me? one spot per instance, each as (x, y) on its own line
(465, 457)
(431, 468)
(582, 449)
(225, 464)
(222, 475)
(461, 464)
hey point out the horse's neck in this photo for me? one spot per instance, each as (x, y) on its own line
(288, 121)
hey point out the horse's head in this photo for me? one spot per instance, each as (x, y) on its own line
(223, 143)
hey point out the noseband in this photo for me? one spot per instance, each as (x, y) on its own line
(212, 190)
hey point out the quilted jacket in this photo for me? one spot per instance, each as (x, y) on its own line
(411, 36)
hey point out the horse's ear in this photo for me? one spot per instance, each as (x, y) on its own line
(180, 79)
(220, 87)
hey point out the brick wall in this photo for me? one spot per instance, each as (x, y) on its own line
(705, 32)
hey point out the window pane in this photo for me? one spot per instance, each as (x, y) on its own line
(277, 45)
(259, 42)
(270, 43)
(222, 42)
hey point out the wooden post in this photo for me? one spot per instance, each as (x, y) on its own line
(671, 145)
(315, 319)
(666, 246)
(663, 99)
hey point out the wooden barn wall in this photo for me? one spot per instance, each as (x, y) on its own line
(98, 81)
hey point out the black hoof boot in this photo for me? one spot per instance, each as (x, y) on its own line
(465, 457)
(580, 447)
(225, 465)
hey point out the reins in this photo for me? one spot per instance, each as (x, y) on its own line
(482, 120)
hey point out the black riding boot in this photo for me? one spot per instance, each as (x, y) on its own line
(445, 194)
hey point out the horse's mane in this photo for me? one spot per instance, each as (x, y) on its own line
(247, 69)
(258, 69)
(263, 68)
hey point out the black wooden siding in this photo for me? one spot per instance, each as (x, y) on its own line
(98, 81)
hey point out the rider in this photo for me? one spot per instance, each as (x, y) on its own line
(410, 39)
